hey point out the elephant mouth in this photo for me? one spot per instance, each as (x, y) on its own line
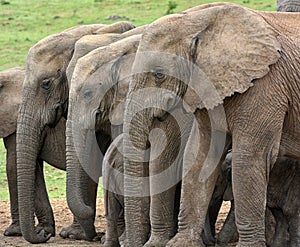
(163, 117)
(58, 112)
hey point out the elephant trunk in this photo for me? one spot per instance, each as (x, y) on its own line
(136, 184)
(78, 183)
(28, 144)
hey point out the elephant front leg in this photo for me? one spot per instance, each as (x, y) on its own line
(251, 162)
(113, 210)
(162, 218)
(294, 229)
(200, 172)
(11, 171)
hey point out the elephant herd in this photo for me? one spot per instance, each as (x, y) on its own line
(175, 116)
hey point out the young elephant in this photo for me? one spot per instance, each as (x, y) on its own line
(52, 152)
(282, 200)
(44, 103)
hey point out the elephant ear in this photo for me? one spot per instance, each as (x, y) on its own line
(11, 81)
(234, 46)
(122, 67)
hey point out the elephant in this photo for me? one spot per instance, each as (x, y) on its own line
(91, 95)
(288, 6)
(11, 81)
(237, 71)
(90, 42)
(282, 202)
(44, 103)
(82, 47)
(87, 87)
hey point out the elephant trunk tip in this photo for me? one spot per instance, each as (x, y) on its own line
(78, 208)
(37, 238)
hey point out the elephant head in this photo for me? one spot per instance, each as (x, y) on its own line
(98, 90)
(101, 37)
(10, 96)
(44, 102)
(189, 56)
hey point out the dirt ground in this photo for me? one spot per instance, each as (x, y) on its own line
(63, 217)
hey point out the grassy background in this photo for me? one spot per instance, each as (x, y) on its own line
(23, 23)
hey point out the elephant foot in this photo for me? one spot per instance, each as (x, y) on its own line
(13, 230)
(73, 231)
(111, 243)
(156, 241)
(48, 229)
(100, 237)
(184, 241)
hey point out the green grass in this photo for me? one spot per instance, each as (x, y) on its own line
(23, 23)
(3, 180)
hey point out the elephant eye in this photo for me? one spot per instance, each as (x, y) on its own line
(88, 94)
(159, 76)
(46, 83)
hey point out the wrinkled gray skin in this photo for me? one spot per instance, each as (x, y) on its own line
(94, 106)
(282, 200)
(103, 131)
(11, 81)
(44, 103)
(288, 5)
(113, 180)
(109, 70)
(242, 94)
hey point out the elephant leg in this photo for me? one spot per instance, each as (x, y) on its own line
(294, 230)
(270, 226)
(161, 218)
(253, 154)
(11, 173)
(281, 229)
(43, 209)
(208, 234)
(113, 210)
(200, 173)
(74, 231)
(229, 230)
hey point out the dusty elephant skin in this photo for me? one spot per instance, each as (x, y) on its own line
(76, 176)
(282, 201)
(246, 96)
(113, 180)
(44, 103)
(95, 105)
(11, 86)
